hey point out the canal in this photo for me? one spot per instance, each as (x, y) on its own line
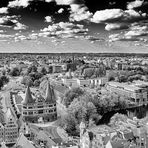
(139, 112)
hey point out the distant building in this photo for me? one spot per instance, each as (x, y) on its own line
(40, 109)
(136, 94)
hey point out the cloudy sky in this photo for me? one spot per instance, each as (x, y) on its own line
(73, 26)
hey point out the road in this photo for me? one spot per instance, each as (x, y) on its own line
(50, 131)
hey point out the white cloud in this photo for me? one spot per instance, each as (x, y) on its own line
(107, 15)
(60, 10)
(65, 2)
(20, 26)
(7, 20)
(19, 3)
(116, 15)
(48, 19)
(48, 1)
(3, 10)
(114, 37)
(137, 31)
(63, 29)
(115, 26)
(79, 12)
(135, 4)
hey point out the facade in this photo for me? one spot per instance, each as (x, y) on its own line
(9, 132)
(138, 95)
(40, 109)
(57, 68)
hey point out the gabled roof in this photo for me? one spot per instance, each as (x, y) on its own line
(24, 142)
(3, 145)
(28, 97)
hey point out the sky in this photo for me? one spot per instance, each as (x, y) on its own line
(91, 26)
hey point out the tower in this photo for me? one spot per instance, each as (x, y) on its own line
(28, 97)
(50, 95)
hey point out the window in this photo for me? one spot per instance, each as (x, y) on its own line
(40, 106)
(30, 113)
(40, 111)
(25, 113)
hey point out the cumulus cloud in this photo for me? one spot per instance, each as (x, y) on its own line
(135, 4)
(7, 20)
(134, 33)
(137, 31)
(19, 3)
(63, 30)
(20, 26)
(25, 3)
(79, 12)
(116, 26)
(48, 19)
(116, 15)
(65, 2)
(3, 10)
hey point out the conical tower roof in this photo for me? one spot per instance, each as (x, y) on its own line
(28, 97)
(50, 96)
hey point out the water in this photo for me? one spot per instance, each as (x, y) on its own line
(139, 112)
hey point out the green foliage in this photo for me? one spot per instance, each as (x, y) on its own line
(3, 80)
(36, 83)
(94, 72)
(27, 81)
(15, 71)
(43, 71)
(69, 123)
(49, 69)
(88, 72)
(31, 69)
(89, 108)
(71, 94)
(116, 118)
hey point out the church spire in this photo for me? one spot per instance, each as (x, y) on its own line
(28, 96)
(49, 97)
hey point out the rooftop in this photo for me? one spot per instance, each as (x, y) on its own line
(124, 86)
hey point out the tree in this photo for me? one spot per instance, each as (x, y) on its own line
(82, 109)
(43, 70)
(36, 83)
(1, 84)
(32, 68)
(69, 123)
(4, 79)
(71, 94)
(88, 72)
(27, 81)
(116, 118)
(14, 71)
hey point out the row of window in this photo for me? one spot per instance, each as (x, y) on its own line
(31, 107)
(39, 112)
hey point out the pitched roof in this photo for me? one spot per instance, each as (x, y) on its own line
(24, 142)
(9, 115)
(119, 143)
(3, 145)
(28, 97)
